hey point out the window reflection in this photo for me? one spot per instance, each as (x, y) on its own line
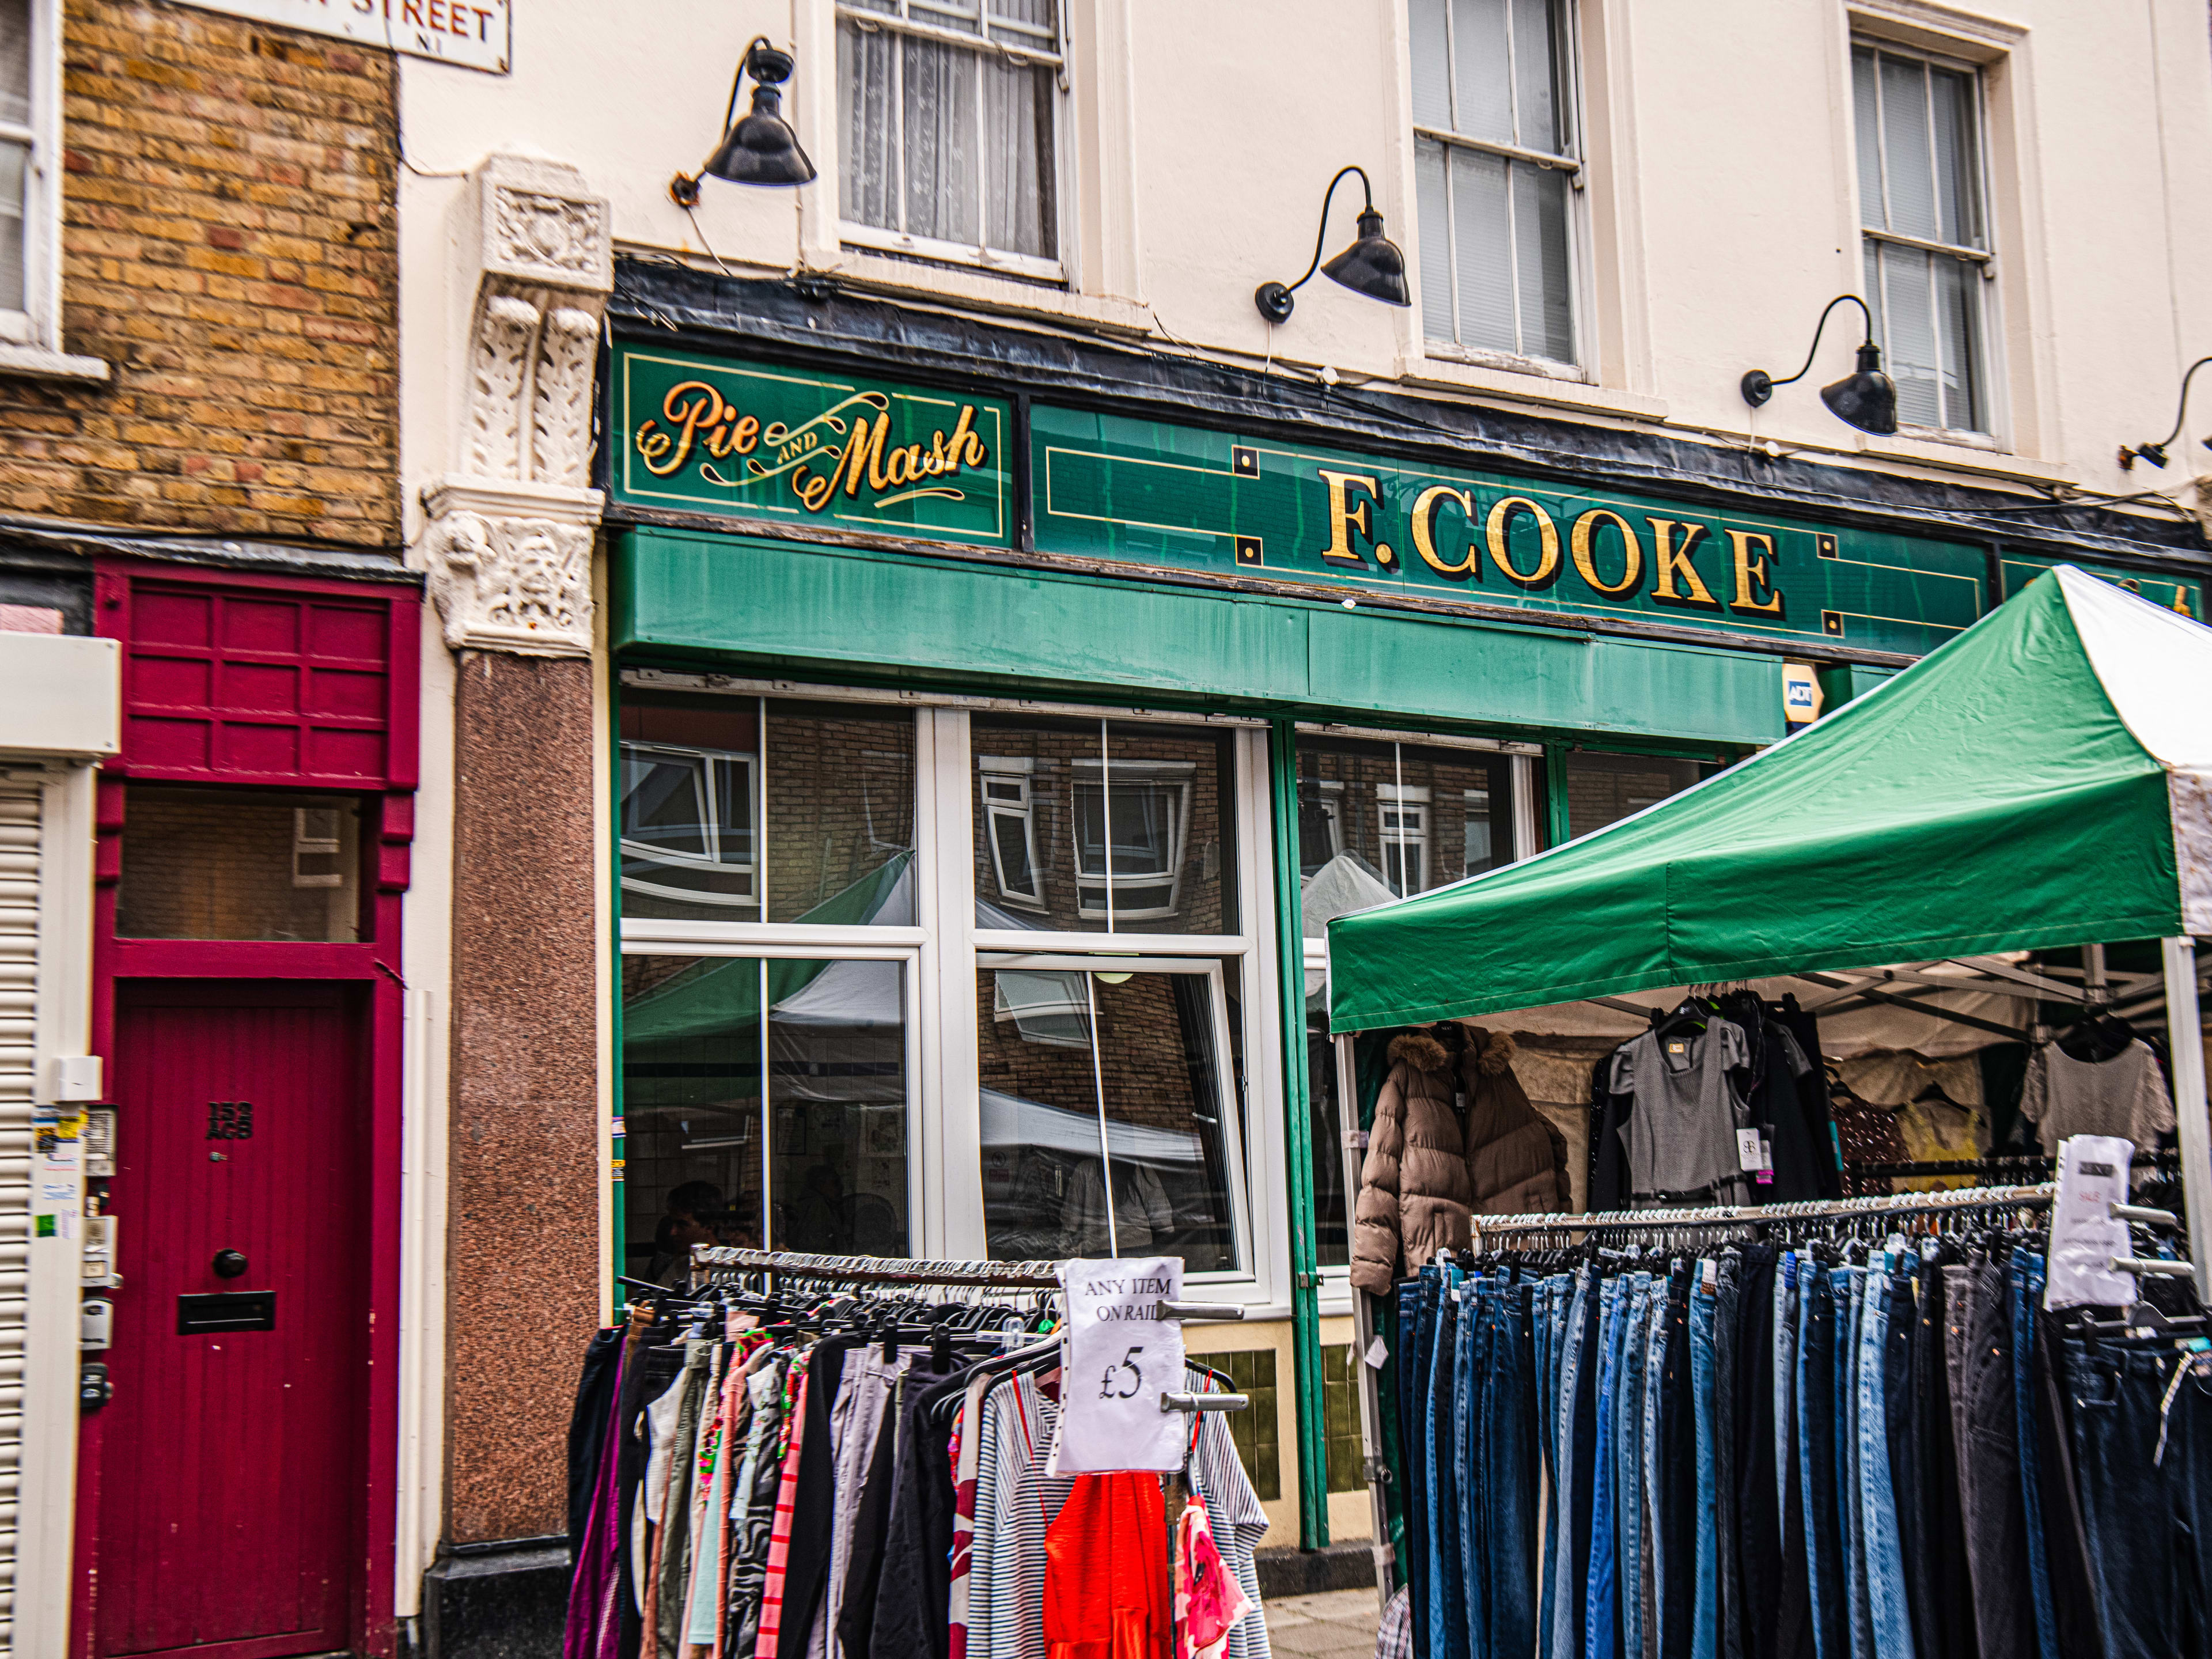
(828, 1143)
(1382, 820)
(728, 800)
(1604, 789)
(1072, 838)
(1107, 1121)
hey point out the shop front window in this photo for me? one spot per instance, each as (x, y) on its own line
(1109, 1112)
(1604, 789)
(239, 864)
(729, 801)
(1380, 820)
(1104, 826)
(765, 1104)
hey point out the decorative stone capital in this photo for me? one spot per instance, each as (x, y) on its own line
(508, 546)
(509, 578)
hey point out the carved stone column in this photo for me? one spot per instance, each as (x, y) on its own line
(508, 550)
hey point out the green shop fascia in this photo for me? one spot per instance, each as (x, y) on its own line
(994, 744)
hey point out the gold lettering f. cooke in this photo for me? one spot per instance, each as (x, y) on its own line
(1345, 515)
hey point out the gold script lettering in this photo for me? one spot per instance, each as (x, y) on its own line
(1495, 527)
(690, 405)
(1583, 545)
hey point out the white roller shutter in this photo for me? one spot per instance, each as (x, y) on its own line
(19, 968)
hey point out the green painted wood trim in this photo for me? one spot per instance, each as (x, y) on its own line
(1555, 795)
(817, 611)
(1298, 1140)
(618, 1196)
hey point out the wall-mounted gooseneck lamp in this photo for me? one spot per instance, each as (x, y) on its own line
(1865, 398)
(2156, 453)
(1372, 265)
(762, 149)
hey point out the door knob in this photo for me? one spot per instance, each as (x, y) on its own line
(228, 1264)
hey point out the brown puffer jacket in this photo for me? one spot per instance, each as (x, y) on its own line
(1516, 1162)
(1413, 1186)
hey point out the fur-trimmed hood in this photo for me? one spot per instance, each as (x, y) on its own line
(1493, 1051)
(1420, 1051)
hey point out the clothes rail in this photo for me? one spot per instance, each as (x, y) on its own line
(1752, 1215)
(725, 1259)
(2025, 1164)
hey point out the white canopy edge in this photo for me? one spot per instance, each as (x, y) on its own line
(2156, 666)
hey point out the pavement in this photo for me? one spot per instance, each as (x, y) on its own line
(1335, 1624)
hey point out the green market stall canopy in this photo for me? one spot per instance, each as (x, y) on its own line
(2043, 779)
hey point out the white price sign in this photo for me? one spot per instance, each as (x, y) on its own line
(470, 33)
(1121, 1357)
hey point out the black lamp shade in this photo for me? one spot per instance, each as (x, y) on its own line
(1372, 265)
(762, 149)
(1867, 397)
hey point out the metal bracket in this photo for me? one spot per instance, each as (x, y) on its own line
(1197, 1310)
(1177, 1401)
(2148, 1217)
(2136, 1264)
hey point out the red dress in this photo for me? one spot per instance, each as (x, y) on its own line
(1106, 1572)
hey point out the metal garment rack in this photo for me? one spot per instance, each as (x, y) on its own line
(1752, 1215)
(727, 1259)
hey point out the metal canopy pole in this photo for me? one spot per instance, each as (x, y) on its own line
(1372, 1464)
(2185, 1042)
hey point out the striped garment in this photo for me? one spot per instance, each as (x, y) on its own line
(779, 1540)
(1016, 1503)
(969, 1440)
(1240, 1521)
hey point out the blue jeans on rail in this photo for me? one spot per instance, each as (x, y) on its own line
(1420, 1440)
(1578, 1368)
(1844, 1285)
(1602, 1590)
(1816, 1464)
(1628, 1476)
(1704, 1628)
(1476, 1316)
(1446, 1603)
(2027, 1297)
(1889, 1613)
(1508, 1566)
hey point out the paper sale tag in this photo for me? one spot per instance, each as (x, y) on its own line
(1748, 1153)
(1121, 1357)
(1377, 1354)
(2093, 1175)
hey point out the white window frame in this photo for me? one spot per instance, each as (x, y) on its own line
(943, 1146)
(1409, 800)
(674, 938)
(1009, 771)
(710, 824)
(1234, 1128)
(38, 323)
(1108, 885)
(1571, 162)
(1983, 363)
(855, 234)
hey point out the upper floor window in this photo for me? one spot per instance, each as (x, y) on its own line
(1926, 231)
(1496, 159)
(28, 208)
(950, 117)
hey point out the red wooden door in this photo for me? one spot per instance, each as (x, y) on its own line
(231, 1470)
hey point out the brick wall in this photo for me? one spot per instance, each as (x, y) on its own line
(229, 248)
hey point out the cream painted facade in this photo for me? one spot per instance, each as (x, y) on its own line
(1717, 211)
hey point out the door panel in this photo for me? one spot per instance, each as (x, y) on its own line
(230, 1468)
